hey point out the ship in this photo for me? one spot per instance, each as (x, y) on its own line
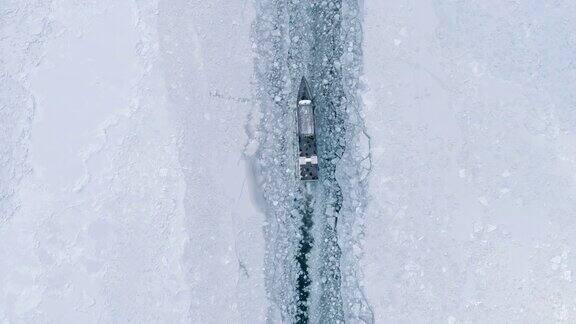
(307, 146)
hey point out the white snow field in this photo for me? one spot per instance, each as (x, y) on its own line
(145, 167)
(124, 195)
(470, 105)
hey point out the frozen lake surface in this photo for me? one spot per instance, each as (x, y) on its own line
(147, 153)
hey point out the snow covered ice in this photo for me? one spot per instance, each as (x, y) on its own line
(147, 162)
